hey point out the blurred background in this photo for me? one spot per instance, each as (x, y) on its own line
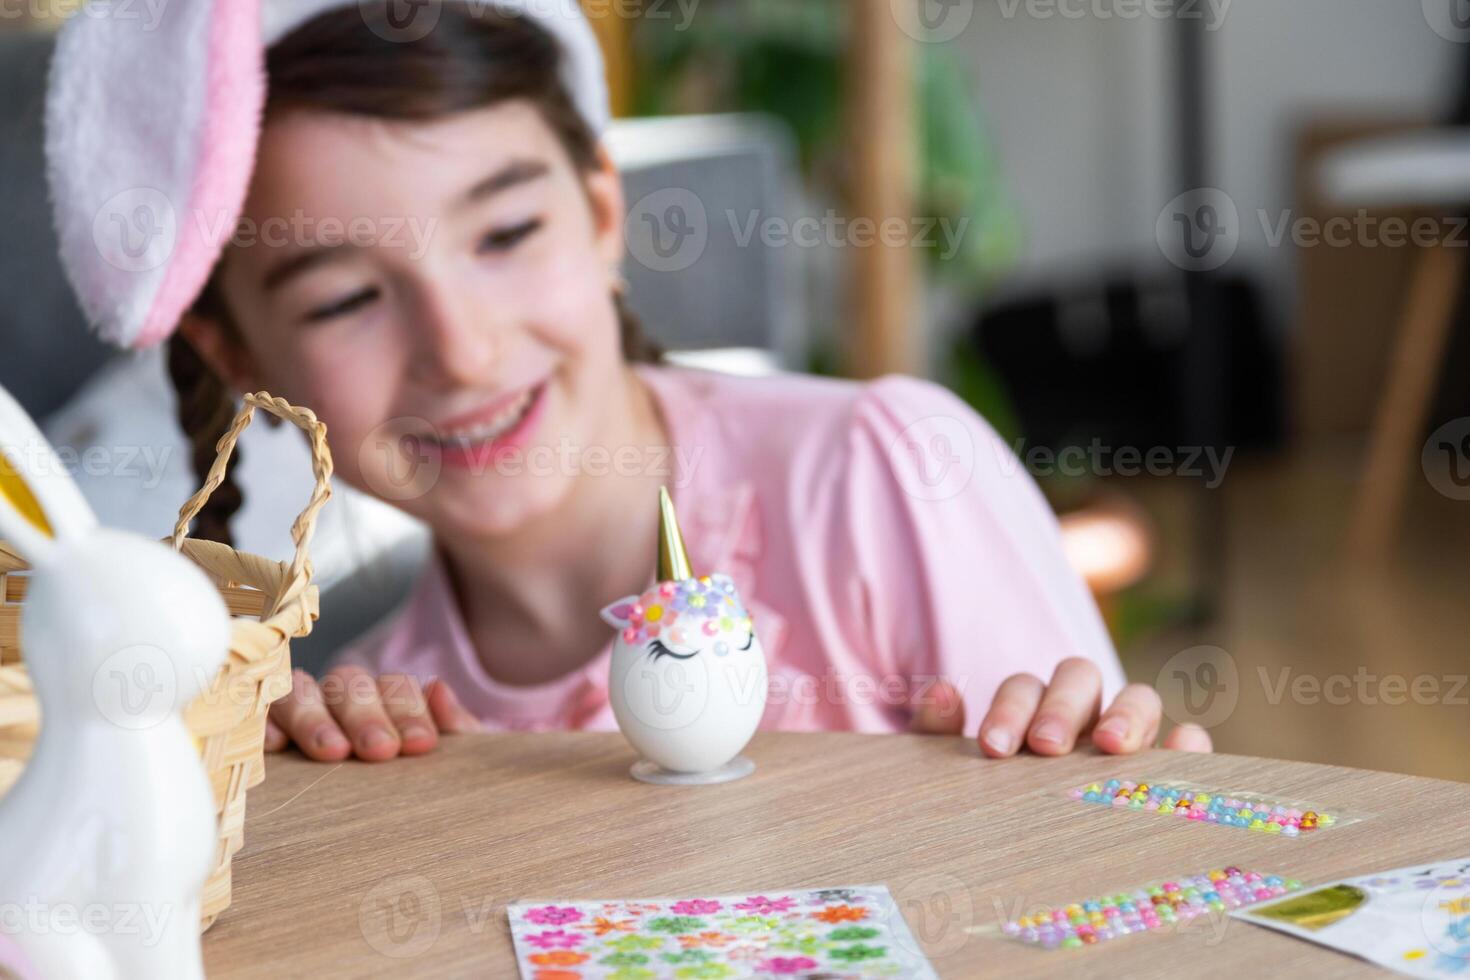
(1200, 262)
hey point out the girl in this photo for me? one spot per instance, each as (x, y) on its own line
(901, 568)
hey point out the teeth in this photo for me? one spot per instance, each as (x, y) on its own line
(491, 429)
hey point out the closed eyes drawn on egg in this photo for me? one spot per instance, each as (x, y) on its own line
(657, 649)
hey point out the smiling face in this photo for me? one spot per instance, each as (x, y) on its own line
(440, 293)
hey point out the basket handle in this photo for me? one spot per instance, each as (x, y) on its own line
(305, 526)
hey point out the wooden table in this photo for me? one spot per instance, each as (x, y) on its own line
(404, 869)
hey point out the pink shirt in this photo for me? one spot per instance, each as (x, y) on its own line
(880, 533)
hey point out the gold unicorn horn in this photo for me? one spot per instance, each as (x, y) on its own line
(673, 560)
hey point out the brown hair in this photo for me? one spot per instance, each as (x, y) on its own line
(343, 61)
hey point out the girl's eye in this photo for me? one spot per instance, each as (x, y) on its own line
(505, 239)
(749, 643)
(659, 650)
(343, 307)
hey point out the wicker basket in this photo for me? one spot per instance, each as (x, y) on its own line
(271, 603)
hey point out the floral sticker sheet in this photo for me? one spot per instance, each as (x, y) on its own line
(854, 932)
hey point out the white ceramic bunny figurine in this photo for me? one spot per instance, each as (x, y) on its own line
(107, 837)
(688, 675)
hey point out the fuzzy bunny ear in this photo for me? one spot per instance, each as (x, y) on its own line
(39, 501)
(152, 118)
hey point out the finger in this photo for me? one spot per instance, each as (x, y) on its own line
(1009, 715)
(352, 695)
(448, 713)
(275, 739)
(1131, 723)
(404, 701)
(938, 711)
(1067, 708)
(303, 717)
(1189, 738)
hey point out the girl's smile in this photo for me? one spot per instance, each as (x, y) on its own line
(496, 432)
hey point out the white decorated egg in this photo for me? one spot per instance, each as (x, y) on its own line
(688, 675)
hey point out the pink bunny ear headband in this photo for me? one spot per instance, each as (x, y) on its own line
(152, 121)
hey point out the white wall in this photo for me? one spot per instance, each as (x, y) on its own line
(1079, 110)
(1072, 109)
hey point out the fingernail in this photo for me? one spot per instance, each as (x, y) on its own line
(416, 731)
(375, 737)
(328, 737)
(999, 741)
(1116, 727)
(1050, 731)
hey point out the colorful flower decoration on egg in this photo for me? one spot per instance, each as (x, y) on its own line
(686, 614)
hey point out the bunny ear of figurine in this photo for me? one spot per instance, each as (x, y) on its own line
(39, 501)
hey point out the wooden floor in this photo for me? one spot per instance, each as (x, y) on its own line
(1295, 614)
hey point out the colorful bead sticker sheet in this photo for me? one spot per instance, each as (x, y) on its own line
(855, 931)
(1227, 808)
(1415, 921)
(1160, 906)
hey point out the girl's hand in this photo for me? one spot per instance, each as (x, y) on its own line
(352, 713)
(1049, 718)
